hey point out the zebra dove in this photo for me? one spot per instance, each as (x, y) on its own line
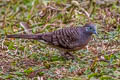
(68, 39)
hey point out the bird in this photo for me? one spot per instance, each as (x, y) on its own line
(67, 39)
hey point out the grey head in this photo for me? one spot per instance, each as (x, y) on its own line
(90, 28)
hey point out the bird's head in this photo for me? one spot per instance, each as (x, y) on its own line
(91, 28)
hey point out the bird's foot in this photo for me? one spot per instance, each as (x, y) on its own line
(68, 56)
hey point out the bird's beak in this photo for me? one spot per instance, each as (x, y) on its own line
(95, 32)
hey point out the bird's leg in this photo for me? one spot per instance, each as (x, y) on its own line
(68, 55)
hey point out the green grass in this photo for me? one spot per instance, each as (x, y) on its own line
(29, 59)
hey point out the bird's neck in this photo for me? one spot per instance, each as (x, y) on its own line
(84, 35)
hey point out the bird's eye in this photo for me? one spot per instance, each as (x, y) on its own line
(90, 28)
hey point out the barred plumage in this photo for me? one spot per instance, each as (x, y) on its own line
(71, 38)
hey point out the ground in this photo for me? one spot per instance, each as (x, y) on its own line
(22, 59)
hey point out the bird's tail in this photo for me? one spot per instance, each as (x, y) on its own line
(26, 36)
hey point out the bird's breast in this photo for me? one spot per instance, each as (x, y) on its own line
(84, 41)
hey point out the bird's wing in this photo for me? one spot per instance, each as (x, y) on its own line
(66, 38)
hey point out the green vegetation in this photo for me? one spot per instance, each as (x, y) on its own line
(22, 59)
